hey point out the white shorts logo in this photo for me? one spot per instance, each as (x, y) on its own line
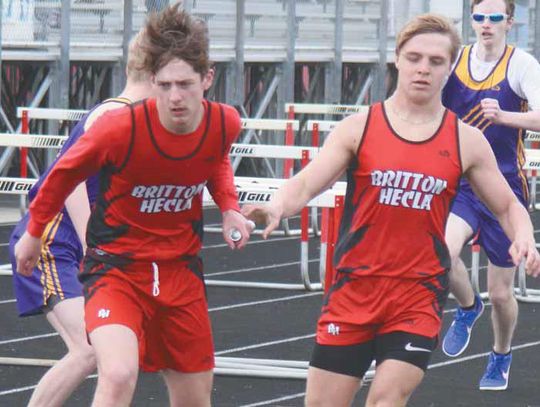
(104, 313)
(333, 329)
(410, 348)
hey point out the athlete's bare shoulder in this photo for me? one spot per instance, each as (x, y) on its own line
(351, 129)
(100, 111)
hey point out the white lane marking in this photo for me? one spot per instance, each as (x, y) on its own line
(285, 398)
(248, 304)
(26, 388)
(28, 338)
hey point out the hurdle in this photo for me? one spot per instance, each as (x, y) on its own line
(225, 366)
(329, 199)
(320, 108)
(23, 185)
(289, 127)
(291, 109)
(534, 138)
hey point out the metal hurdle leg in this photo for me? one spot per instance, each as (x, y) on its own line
(522, 293)
(324, 246)
(307, 284)
(475, 271)
(334, 217)
(533, 191)
(5, 270)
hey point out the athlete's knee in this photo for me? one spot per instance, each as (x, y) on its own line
(199, 399)
(501, 295)
(454, 250)
(384, 397)
(456, 263)
(321, 398)
(85, 358)
(317, 400)
(117, 375)
(312, 400)
(196, 395)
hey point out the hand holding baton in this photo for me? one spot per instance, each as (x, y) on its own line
(236, 235)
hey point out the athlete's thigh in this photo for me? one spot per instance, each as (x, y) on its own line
(394, 383)
(190, 389)
(116, 348)
(67, 318)
(459, 230)
(410, 348)
(330, 389)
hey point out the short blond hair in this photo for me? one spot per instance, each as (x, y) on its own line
(135, 69)
(430, 24)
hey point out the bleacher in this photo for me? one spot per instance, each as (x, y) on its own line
(96, 29)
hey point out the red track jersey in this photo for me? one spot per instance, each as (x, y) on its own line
(149, 205)
(399, 194)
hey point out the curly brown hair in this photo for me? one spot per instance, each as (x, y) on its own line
(173, 33)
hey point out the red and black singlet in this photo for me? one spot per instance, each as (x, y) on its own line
(398, 198)
(149, 205)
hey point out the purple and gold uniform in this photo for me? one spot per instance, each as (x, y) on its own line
(463, 94)
(61, 255)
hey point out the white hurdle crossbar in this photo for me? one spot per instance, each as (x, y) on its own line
(534, 138)
(225, 366)
(316, 108)
(46, 113)
(32, 140)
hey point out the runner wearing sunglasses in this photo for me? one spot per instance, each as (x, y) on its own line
(492, 87)
(493, 17)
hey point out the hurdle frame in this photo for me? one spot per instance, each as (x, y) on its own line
(291, 109)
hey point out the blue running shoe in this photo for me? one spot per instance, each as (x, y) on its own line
(497, 372)
(459, 334)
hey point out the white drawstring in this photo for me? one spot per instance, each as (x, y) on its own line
(155, 288)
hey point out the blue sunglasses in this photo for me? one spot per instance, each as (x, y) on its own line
(493, 18)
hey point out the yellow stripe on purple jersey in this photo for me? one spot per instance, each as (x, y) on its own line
(463, 94)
